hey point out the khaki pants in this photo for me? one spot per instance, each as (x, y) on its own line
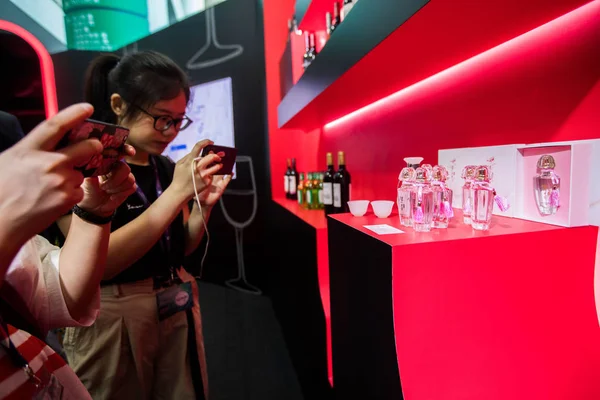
(129, 354)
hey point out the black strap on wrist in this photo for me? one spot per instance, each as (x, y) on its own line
(91, 217)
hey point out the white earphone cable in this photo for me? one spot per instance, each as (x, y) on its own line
(201, 215)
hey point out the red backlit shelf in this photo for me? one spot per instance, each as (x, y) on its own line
(314, 18)
(314, 218)
(356, 68)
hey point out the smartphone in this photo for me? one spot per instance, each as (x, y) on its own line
(228, 160)
(111, 136)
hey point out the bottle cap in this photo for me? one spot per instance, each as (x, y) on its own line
(440, 173)
(413, 161)
(482, 174)
(468, 172)
(428, 167)
(422, 175)
(407, 174)
(546, 162)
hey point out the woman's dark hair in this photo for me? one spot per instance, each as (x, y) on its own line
(141, 79)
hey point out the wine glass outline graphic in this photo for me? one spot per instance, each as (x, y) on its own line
(240, 282)
(195, 61)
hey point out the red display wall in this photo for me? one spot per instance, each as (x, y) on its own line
(457, 74)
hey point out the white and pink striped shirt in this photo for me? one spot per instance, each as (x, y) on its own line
(34, 274)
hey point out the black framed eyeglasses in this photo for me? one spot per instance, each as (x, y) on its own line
(164, 122)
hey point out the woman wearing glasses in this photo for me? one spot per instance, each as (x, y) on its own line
(147, 341)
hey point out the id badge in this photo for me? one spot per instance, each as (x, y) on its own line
(174, 299)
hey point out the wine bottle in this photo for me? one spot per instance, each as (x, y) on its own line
(306, 58)
(315, 192)
(328, 185)
(300, 192)
(342, 186)
(337, 20)
(313, 47)
(328, 24)
(320, 192)
(308, 191)
(293, 181)
(286, 180)
(348, 4)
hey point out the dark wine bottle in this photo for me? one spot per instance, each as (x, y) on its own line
(313, 47)
(328, 186)
(294, 181)
(286, 180)
(342, 186)
(337, 19)
(348, 4)
(306, 57)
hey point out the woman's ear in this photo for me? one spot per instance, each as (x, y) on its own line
(118, 105)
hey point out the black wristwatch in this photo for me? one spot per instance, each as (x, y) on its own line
(91, 217)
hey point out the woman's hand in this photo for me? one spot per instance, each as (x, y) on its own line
(210, 196)
(103, 194)
(182, 179)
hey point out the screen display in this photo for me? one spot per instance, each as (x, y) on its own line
(211, 110)
(106, 25)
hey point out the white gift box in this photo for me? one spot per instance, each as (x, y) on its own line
(514, 167)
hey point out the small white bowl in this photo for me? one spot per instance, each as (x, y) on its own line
(358, 208)
(382, 208)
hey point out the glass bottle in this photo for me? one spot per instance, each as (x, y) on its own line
(308, 186)
(301, 195)
(546, 186)
(315, 197)
(413, 162)
(320, 195)
(405, 186)
(421, 199)
(442, 198)
(467, 201)
(482, 200)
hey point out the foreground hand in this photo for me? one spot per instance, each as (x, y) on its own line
(103, 194)
(39, 184)
(182, 178)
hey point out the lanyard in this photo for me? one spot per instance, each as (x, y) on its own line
(15, 356)
(165, 240)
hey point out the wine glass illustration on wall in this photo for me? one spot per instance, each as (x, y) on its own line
(208, 55)
(240, 282)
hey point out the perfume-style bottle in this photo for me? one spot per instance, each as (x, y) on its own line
(413, 162)
(405, 186)
(442, 198)
(484, 197)
(421, 200)
(546, 186)
(467, 201)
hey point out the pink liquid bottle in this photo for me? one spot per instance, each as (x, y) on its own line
(421, 199)
(442, 198)
(467, 201)
(546, 186)
(483, 197)
(406, 182)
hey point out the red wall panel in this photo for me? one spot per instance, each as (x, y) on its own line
(541, 86)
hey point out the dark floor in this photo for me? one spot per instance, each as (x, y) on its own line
(246, 354)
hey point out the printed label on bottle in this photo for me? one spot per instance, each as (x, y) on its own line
(404, 203)
(320, 197)
(308, 197)
(293, 185)
(328, 193)
(337, 195)
(286, 184)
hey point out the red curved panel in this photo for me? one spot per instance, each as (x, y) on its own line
(46, 65)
